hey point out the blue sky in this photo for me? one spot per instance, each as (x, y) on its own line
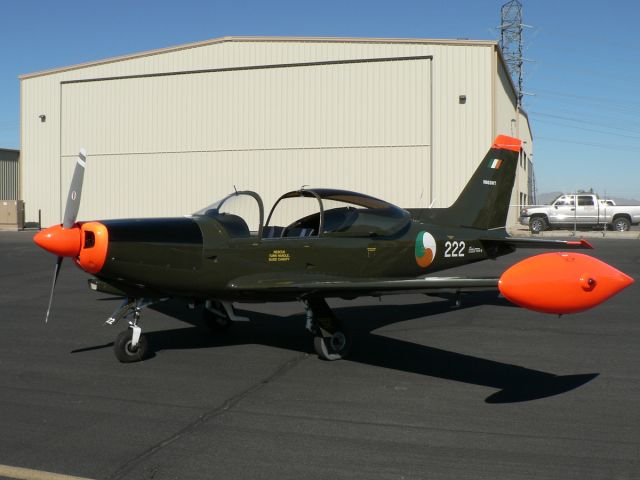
(584, 75)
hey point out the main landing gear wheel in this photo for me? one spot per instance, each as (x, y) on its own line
(216, 318)
(334, 347)
(124, 350)
(330, 341)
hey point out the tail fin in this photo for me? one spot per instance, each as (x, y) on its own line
(484, 202)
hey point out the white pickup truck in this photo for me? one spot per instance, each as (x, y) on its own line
(582, 210)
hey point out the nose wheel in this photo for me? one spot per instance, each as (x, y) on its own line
(126, 350)
(130, 345)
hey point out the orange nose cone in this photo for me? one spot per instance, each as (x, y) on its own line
(561, 282)
(63, 242)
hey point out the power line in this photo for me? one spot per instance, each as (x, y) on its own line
(596, 117)
(592, 104)
(635, 137)
(585, 122)
(589, 144)
(589, 98)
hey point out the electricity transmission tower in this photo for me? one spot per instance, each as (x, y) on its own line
(511, 42)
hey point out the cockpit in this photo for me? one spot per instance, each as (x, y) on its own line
(303, 213)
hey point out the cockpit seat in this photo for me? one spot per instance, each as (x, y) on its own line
(272, 231)
(299, 232)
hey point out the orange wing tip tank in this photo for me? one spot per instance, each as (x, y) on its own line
(561, 282)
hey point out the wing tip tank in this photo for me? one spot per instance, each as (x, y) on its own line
(561, 282)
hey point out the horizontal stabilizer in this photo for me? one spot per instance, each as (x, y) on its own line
(536, 243)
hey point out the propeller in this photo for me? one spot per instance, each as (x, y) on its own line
(65, 240)
(75, 191)
(53, 286)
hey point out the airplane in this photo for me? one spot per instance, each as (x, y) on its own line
(345, 245)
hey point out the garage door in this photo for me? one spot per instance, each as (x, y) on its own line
(168, 144)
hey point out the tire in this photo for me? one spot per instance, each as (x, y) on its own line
(335, 347)
(621, 224)
(538, 224)
(124, 352)
(214, 322)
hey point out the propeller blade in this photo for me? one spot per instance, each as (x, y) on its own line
(53, 286)
(75, 191)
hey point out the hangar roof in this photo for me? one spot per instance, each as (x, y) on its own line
(9, 150)
(462, 42)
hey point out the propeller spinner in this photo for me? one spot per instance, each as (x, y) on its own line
(65, 240)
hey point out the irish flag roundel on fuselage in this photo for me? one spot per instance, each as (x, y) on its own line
(425, 249)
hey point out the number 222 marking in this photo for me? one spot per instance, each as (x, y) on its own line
(454, 249)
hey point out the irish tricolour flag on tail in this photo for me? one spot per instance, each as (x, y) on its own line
(495, 163)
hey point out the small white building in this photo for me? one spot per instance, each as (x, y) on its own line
(169, 131)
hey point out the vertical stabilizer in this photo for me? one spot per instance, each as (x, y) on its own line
(484, 202)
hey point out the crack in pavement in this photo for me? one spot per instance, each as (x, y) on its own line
(128, 466)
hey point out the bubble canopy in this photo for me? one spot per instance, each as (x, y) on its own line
(312, 213)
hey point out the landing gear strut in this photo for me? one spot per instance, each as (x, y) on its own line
(215, 316)
(330, 341)
(130, 345)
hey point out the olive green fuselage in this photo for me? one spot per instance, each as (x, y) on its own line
(196, 258)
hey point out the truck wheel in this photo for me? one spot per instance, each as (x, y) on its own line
(621, 224)
(537, 224)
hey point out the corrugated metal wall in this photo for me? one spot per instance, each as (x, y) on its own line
(384, 126)
(507, 121)
(9, 174)
(182, 140)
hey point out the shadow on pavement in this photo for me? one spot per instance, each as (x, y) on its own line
(514, 383)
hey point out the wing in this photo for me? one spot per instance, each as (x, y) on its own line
(329, 286)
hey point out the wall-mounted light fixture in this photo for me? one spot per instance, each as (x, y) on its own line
(462, 99)
(43, 118)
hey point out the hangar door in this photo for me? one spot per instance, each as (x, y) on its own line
(168, 144)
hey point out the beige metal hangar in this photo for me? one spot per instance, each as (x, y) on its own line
(171, 130)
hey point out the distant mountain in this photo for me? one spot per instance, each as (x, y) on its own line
(547, 198)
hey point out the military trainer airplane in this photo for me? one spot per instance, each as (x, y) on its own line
(346, 245)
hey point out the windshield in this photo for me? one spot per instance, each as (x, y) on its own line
(240, 213)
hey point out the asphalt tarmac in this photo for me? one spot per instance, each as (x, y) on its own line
(484, 391)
